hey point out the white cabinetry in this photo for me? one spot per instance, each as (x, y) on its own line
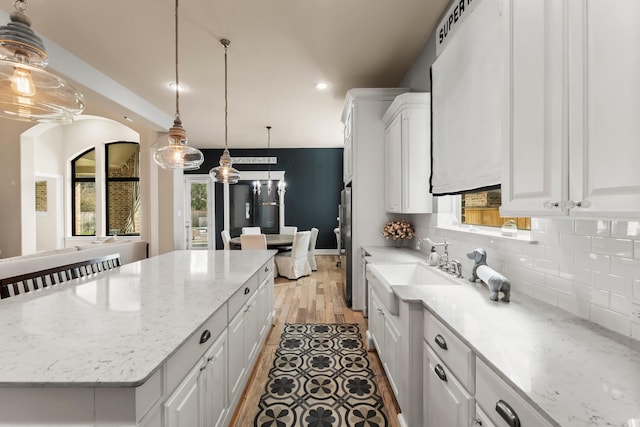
(200, 399)
(407, 145)
(363, 169)
(501, 403)
(572, 104)
(446, 402)
(397, 339)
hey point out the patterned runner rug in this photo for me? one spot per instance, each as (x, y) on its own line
(321, 378)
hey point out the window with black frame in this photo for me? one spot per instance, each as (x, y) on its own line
(83, 194)
(122, 165)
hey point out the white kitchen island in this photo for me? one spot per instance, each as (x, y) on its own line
(165, 341)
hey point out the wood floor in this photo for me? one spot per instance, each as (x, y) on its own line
(317, 298)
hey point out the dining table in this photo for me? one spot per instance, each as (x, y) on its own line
(274, 241)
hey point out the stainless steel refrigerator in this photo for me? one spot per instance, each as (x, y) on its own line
(345, 237)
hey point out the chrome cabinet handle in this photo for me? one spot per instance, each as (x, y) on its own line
(380, 312)
(551, 204)
(439, 339)
(246, 290)
(572, 204)
(440, 372)
(507, 413)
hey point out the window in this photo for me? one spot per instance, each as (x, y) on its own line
(83, 195)
(483, 208)
(122, 165)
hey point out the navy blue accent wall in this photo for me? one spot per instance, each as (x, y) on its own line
(314, 183)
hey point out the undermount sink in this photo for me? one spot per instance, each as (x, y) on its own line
(387, 276)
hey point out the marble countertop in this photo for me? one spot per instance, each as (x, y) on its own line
(577, 372)
(117, 328)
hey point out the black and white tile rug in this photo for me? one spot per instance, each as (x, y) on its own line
(321, 378)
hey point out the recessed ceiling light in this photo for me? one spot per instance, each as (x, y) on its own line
(322, 85)
(181, 87)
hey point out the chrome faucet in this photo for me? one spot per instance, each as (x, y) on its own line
(455, 267)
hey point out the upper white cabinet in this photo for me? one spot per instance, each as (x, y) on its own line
(364, 172)
(572, 106)
(407, 145)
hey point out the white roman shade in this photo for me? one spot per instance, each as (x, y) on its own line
(467, 87)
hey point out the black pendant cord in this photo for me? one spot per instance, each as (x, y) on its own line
(177, 75)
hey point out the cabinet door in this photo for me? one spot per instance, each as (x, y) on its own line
(535, 144)
(415, 164)
(347, 161)
(237, 352)
(376, 322)
(391, 358)
(446, 403)
(253, 322)
(215, 383)
(182, 409)
(393, 165)
(605, 127)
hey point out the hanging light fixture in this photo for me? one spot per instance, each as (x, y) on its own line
(28, 92)
(225, 173)
(178, 155)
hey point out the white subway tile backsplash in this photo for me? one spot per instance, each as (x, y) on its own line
(616, 247)
(575, 242)
(592, 227)
(559, 284)
(591, 261)
(574, 305)
(589, 267)
(625, 229)
(625, 267)
(620, 304)
(610, 282)
(611, 320)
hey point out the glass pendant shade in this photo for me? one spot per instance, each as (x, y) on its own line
(225, 173)
(28, 92)
(178, 155)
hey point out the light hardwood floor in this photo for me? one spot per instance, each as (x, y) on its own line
(317, 298)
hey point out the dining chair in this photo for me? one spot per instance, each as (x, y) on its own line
(311, 255)
(253, 241)
(294, 264)
(288, 229)
(251, 230)
(226, 239)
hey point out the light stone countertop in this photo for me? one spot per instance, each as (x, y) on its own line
(117, 328)
(577, 372)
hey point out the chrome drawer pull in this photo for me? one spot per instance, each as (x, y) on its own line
(507, 413)
(440, 372)
(205, 336)
(246, 290)
(441, 342)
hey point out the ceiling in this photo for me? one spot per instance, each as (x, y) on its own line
(279, 50)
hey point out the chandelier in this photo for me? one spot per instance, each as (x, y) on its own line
(225, 173)
(28, 91)
(178, 155)
(257, 185)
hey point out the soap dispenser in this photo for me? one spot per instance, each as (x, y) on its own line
(434, 258)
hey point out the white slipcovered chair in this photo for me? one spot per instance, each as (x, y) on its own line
(251, 230)
(295, 264)
(253, 241)
(288, 229)
(226, 239)
(311, 255)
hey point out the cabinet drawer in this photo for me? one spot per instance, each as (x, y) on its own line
(243, 294)
(265, 271)
(453, 352)
(188, 353)
(495, 396)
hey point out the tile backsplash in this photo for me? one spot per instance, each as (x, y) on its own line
(590, 268)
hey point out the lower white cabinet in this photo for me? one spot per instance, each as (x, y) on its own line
(445, 402)
(501, 403)
(386, 339)
(200, 400)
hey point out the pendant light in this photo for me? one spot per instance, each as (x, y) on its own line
(28, 92)
(178, 155)
(225, 173)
